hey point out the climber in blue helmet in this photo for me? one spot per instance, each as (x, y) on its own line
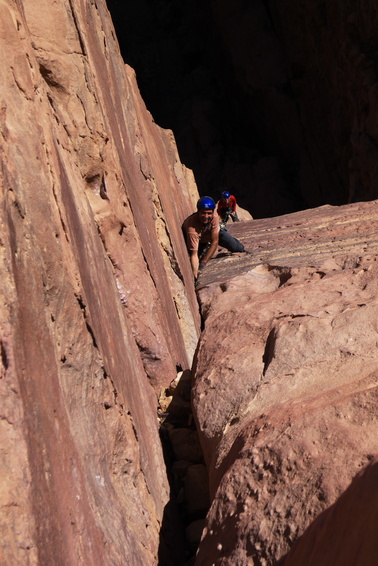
(226, 207)
(203, 235)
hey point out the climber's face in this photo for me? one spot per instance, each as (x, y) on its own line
(205, 216)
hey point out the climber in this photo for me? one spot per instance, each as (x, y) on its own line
(203, 235)
(226, 208)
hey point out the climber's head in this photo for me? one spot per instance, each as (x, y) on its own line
(205, 203)
(226, 195)
(205, 208)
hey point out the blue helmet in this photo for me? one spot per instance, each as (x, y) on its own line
(226, 194)
(205, 203)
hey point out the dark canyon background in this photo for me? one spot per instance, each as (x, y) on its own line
(274, 100)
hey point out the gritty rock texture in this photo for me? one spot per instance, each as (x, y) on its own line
(345, 533)
(95, 316)
(285, 386)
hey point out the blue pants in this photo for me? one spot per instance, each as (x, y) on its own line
(229, 242)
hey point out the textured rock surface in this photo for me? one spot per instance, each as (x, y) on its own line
(94, 314)
(285, 389)
(345, 533)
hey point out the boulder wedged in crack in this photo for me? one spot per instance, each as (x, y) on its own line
(286, 378)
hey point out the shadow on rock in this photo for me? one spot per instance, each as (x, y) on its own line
(184, 516)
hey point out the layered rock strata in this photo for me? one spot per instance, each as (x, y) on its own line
(285, 382)
(98, 307)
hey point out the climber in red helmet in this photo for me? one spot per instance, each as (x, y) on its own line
(203, 235)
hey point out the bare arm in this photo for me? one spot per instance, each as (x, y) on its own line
(194, 262)
(213, 247)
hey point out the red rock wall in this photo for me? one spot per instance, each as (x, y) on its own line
(285, 389)
(98, 310)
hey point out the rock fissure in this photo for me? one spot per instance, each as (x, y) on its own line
(87, 323)
(185, 467)
(78, 29)
(4, 355)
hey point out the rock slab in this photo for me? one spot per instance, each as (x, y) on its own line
(285, 382)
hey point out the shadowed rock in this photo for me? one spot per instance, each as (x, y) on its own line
(344, 534)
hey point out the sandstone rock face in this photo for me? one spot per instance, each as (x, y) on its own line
(285, 382)
(344, 534)
(96, 315)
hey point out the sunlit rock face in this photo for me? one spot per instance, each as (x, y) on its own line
(285, 383)
(95, 317)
